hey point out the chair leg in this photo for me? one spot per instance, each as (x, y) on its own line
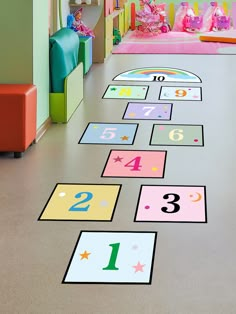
(18, 154)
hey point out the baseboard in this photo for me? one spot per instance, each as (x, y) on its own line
(42, 129)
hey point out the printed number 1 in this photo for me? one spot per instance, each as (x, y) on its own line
(112, 263)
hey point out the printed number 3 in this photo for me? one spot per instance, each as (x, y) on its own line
(173, 202)
(74, 208)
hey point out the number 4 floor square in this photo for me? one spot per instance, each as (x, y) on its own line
(88, 202)
(135, 163)
(112, 257)
(166, 203)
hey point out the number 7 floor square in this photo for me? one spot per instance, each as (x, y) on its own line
(135, 163)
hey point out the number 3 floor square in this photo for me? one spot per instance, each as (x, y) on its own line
(109, 133)
(112, 257)
(86, 202)
(135, 163)
(177, 135)
(166, 203)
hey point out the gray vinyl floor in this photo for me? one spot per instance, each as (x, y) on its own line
(194, 268)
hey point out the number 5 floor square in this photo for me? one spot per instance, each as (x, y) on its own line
(135, 163)
(177, 135)
(112, 257)
(166, 203)
(86, 202)
(109, 133)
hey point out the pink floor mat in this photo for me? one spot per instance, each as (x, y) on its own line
(136, 42)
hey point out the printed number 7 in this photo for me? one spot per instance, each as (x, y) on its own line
(108, 134)
(148, 111)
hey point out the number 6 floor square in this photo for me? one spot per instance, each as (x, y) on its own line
(88, 202)
(112, 257)
(177, 135)
(166, 203)
(135, 163)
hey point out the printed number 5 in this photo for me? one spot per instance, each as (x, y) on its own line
(108, 134)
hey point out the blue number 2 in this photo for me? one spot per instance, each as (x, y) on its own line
(86, 199)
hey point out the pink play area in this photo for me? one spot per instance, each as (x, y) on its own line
(180, 29)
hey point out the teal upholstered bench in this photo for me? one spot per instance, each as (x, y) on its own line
(66, 75)
(86, 52)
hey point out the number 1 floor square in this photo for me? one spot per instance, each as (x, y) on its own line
(112, 257)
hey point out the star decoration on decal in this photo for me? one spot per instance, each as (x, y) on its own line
(113, 88)
(84, 255)
(118, 159)
(95, 127)
(132, 114)
(195, 96)
(138, 267)
(104, 203)
(154, 168)
(134, 247)
(124, 138)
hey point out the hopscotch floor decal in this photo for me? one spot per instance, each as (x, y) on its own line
(109, 133)
(148, 111)
(180, 93)
(158, 74)
(135, 163)
(126, 92)
(177, 135)
(87, 202)
(112, 257)
(166, 203)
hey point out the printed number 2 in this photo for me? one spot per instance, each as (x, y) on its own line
(112, 263)
(74, 208)
(173, 202)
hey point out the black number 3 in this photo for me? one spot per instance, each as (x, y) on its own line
(173, 202)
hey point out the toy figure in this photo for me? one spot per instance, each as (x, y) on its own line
(186, 20)
(74, 22)
(215, 19)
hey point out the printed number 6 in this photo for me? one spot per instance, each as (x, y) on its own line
(176, 135)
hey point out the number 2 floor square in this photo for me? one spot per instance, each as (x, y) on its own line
(166, 203)
(147, 111)
(112, 257)
(180, 93)
(135, 163)
(126, 92)
(86, 202)
(177, 135)
(109, 133)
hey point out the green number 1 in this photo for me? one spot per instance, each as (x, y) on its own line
(114, 253)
